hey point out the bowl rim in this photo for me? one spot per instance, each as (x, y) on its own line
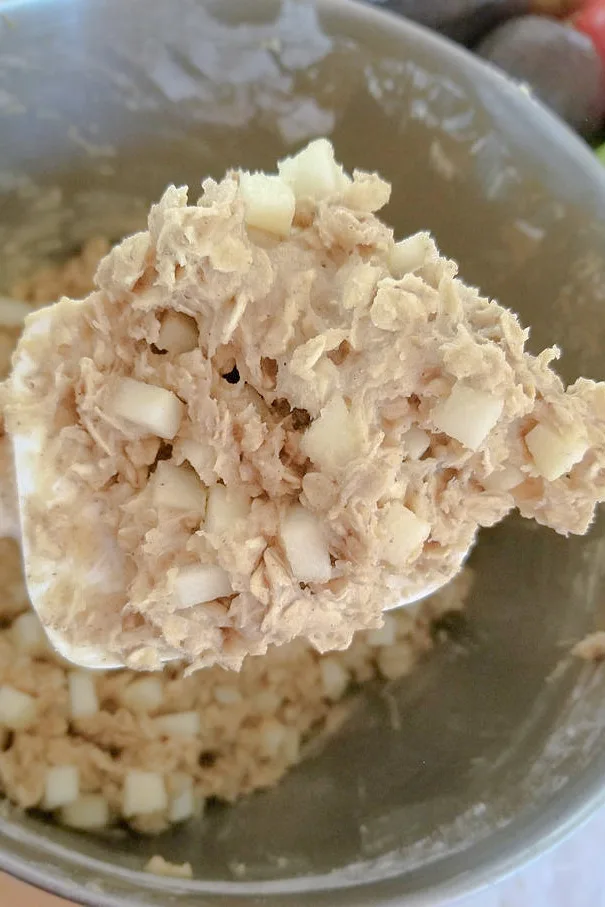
(570, 808)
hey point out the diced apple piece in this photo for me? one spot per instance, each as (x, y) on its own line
(383, 636)
(227, 695)
(412, 253)
(402, 534)
(178, 487)
(201, 583)
(313, 172)
(178, 724)
(88, 813)
(397, 661)
(504, 479)
(178, 333)
(416, 442)
(201, 456)
(335, 679)
(144, 793)
(17, 710)
(183, 803)
(154, 409)
(269, 202)
(159, 866)
(83, 699)
(145, 694)
(291, 744)
(62, 786)
(273, 736)
(304, 542)
(226, 507)
(334, 439)
(28, 635)
(554, 453)
(280, 739)
(468, 415)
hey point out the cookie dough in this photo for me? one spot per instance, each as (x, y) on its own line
(271, 421)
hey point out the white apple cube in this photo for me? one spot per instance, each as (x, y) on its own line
(412, 253)
(227, 695)
(468, 415)
(226, 507)
(144, 793)
(178, 487)
(553, 453)
(201, 583)
(178, 724)
(334, 439)
(62, 786)
(416, 442)
(314, 173)
(28, 635)
(18, 710)
(334, 677)
(504, 479)
(145, 694)
(269, 202)
(397, 661)
(158, 866)
(83, 699)
(201, 456)
(178, 333)
(304, 541)
(183, 803)
(153, 409)
(273, 736)
(291, 744)
(88, 813)
(402, 534)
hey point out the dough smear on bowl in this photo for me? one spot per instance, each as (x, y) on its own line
(271, 421)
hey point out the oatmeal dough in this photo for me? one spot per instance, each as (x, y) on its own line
(270, 421)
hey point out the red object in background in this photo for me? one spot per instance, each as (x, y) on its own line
(591, 21)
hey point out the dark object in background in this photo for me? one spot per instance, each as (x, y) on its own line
(560, 64)
(466, 21)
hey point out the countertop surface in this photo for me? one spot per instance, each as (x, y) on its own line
(571, 876)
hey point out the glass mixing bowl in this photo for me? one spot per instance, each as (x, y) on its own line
(499, 746)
